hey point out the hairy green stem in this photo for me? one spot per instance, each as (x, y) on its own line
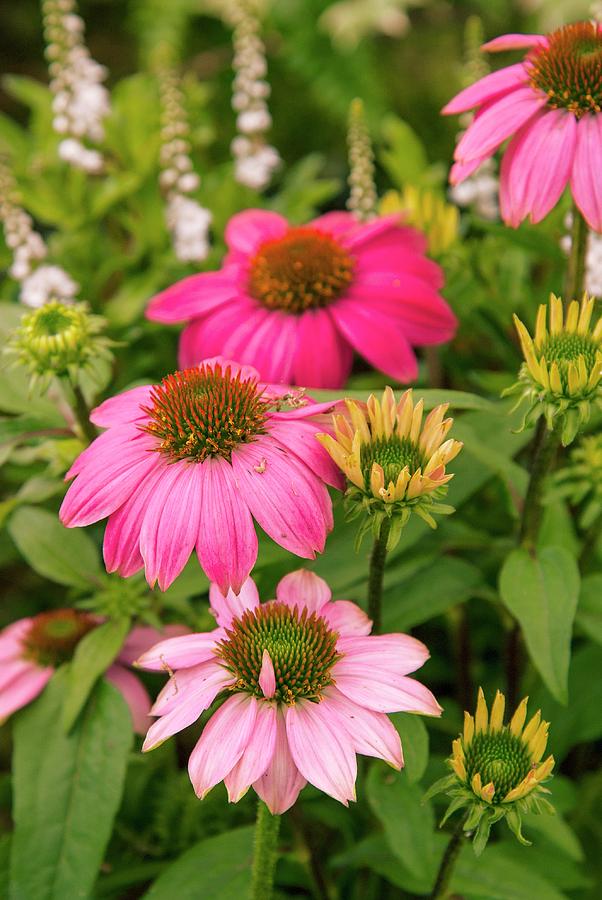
(575, 273)
(80, 409)
(448, 862)
(265, 854)
(545, 446)
(376, 574)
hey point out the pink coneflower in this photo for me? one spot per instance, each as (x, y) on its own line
(295, 302)
(32, 648)
(191, 462)
(305, 689)
(550, 105)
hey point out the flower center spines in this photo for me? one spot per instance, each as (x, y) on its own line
(569, 69)
(304, 269)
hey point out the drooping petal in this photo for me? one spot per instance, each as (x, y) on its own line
(346, 618)
(382, 343)
(267, 676)
(515, 42)
(303, 588)
(322, 356)
(399, 654)
(194, 296)
(291, 505)
(587, 165)
(191, 349)
(377, 690)
(280, 784)
(247, 230)
(372, 733)
(461, 171)
(123, 408)
(13, 668)
(200, 683)
(23, 689)
(232, 606)
(143, 638)
(257, 755)
(134, 693)
(11, 639)
(121, 545)
(267, 340)
(180, 652)
(301, 440)
(212, 334)
(171, 522)
(321, 749)
(497, 121)
(227, 542)
(222, 743)
(500, 82)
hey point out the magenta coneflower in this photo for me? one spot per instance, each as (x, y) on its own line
(191, 462)
(305, 688)
(295, 302)
(32, 648)
(550, 105)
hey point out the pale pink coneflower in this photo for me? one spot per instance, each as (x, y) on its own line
(549, 105)
(295, 302)
(191, 462)
(305, 688)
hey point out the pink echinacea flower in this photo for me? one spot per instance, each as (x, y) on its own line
(295, 302)
(192, 462)
(306, 688)
(550, 106)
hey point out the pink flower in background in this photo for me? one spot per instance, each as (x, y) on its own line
(32, 648)
(549, 105)
(191, 462)
(307, 689)
(295, 302)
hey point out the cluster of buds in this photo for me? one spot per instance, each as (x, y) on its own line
(593, 258)
(187, 221)
(498, 771)
(426, 210)
(580, 480)
(362, 190)
(394, 463)
(38, 282)
(561, 377)
(255, 160)
(80, 100)
(60, 341)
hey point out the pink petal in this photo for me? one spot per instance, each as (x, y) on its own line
(372, 733)
(257, 755)
(587, 166)
(364, 232)
(246, 372)
(461, 171)
(303, 589)
(121, 546)
(11, 646)
(280, 784)
(383, 344)
(247, 230)
(392, 237)
(291, 505)
(23, 689)
(143, 638)
(123, 408)
(222, 743)
(190, 347)
(213, 334)
(267, 677)
(200, 683)
(377, 690)
(335, 223)
(346, 618)
(301, 440)
(227, 542)
(232, 606)
(487, 88)
(134, 693)
(171, 522)
(194, 296)
(322, 357)
(12, 669)
(180, 652)
(399, 654)
(393, 260)
(321, 749)
(498, 120)
(515, 42)
(266, 339)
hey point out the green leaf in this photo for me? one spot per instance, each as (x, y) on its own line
(497, 876)
(405, 158)
(65, 555)
(93, 656)
(432, 398)
(408, 822)
(218, 868)
(415, 744)
(589, 610)
(67, 789)
(541, 592)
(428, 593)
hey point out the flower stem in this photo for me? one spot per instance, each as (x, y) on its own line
(82, 413)
(267, 827)
(447, 863)
(376, 574)
(545, 445)
(575, 273)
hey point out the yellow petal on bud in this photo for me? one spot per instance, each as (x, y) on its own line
(518, 719)
(573, 378)
(416, 421)
(358, 419)
(405, 411)
(524, 337)
(496, 719)
(481, 715)
(555, 380)
(541, 330)
(402, 483)
(389, 409)
(572, 317)
(468, 728)
(522, 789)
(414, 488)
(377, 480)
(375, 415)
(488, 792)
(334, 449)
(532, 727)
(582, 372)
(587, 308)
(476, 784)
(538, 742)
(343, 430)
(596, 372)
(597, 332)
(555, 314)
(543, 770)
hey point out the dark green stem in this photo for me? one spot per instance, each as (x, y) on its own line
(376, 574)
(80, 408)
(575, 273)
(265, 853)
(447, 863)
(590, 543)
(545, 445)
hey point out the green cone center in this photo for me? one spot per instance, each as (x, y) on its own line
(53, 636)
(393, 454)
(501, 758)
(569, 69)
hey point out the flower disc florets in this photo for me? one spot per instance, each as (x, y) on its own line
(394, 463)
(497, 768)
(205, 411)
(305, 269)
(562, 372)
(60, 339)
(569, 68)
(53, 636)
(301, 647)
